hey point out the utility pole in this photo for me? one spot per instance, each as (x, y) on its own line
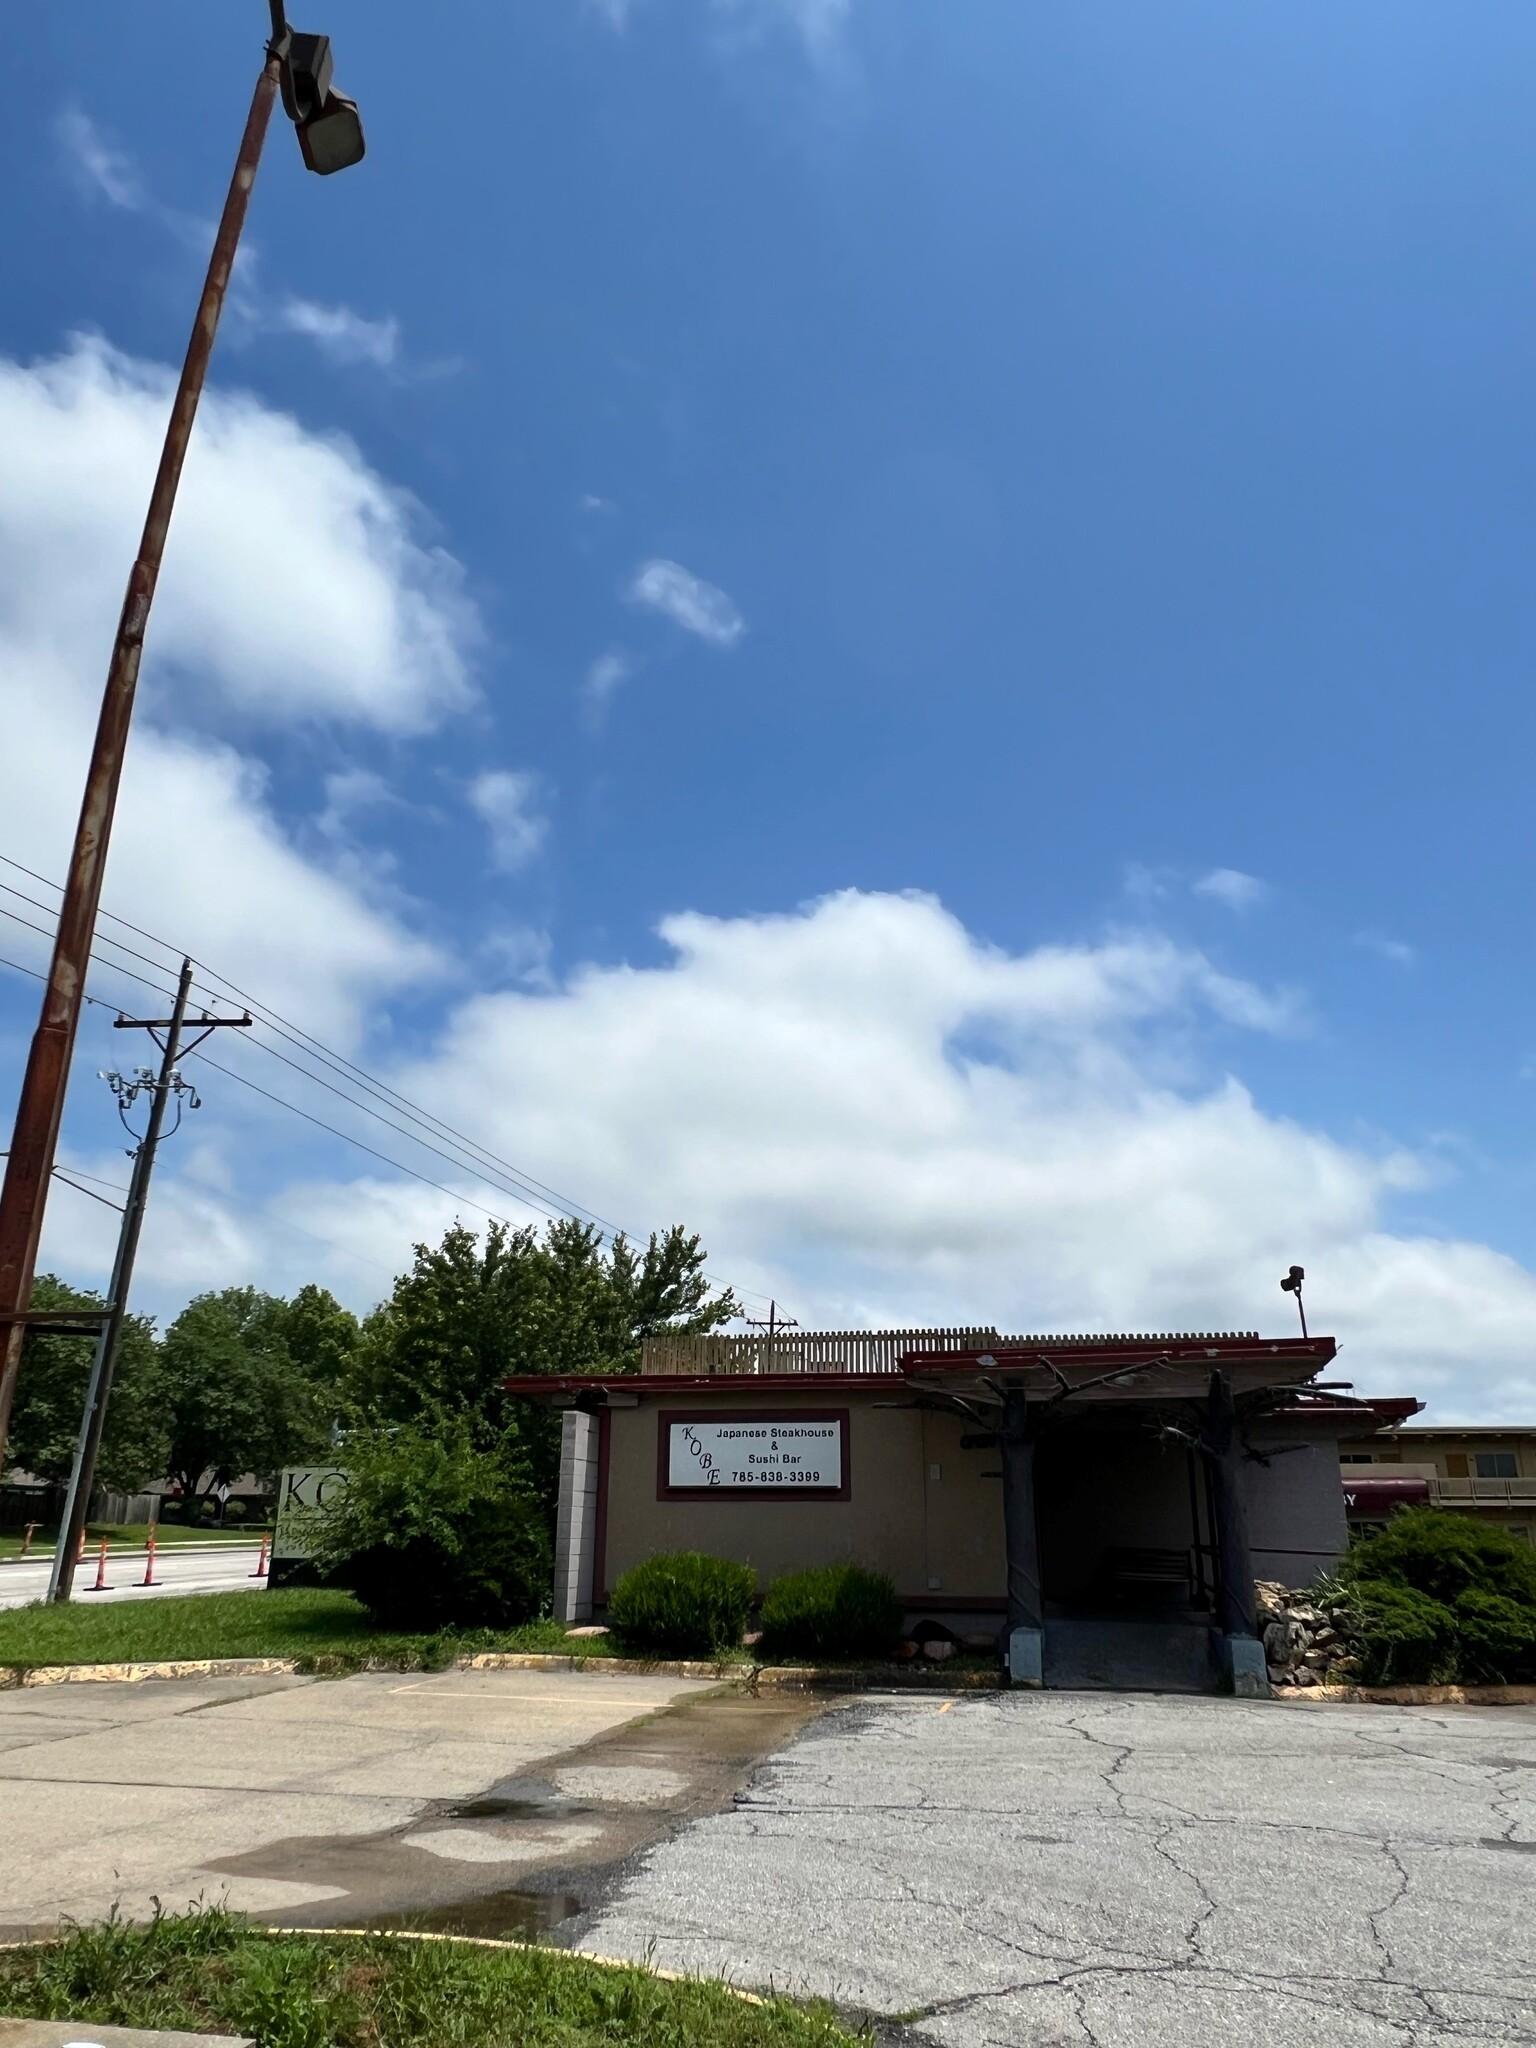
(772, 1323)
(330, 138)
(104, 1363)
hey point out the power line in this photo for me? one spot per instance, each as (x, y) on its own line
(347, 1138)
(112, 966)
(467, 1152)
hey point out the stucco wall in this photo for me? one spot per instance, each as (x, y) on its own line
(930, 1514)
(918, 1507)
(1296, 1524)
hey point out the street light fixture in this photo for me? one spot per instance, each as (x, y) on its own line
(330, 132)
(1291, 1284)
(330, 138)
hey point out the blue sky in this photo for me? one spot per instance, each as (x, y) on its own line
(715, 454)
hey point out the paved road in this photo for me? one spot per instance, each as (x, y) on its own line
(226, 1570)
(1123, 1872)
(292, 1793)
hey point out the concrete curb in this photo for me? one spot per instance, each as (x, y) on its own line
(543, 1948)
(753, 1677)
(1411, 1695)
(13, 1677)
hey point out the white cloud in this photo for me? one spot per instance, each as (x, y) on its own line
(339, 333)
(695, 605)
(878, 1118)
(294, 587)
(1398, 951)
(604, 676)
(1233, 888)
(881, 1120)
(97, 164)
(506, 802)
(348, 794)
(342, 336)
(818, 21)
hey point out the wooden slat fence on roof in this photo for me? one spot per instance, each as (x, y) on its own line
(850, 1351)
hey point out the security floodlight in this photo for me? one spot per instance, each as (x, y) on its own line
(1291, 1284)
(333, 139)
(329, 129)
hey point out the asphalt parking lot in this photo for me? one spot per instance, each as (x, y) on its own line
(1122, 1871)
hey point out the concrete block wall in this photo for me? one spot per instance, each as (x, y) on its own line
(576, 1521)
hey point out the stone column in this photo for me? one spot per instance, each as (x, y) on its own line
(1026, 1614)
(1242, 1654)
(576, 1517)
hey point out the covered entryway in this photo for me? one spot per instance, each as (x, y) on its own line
(1127, 1566)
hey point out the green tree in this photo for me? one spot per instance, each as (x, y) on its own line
(50, 1394)
(232, 1396)
(322, 1337)
(471, 1312)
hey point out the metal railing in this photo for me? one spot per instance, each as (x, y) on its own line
(1514, 1492)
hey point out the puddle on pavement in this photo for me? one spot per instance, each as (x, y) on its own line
(513, 1809)
(1502, 1842)
(695, 1756)
(494, 1916)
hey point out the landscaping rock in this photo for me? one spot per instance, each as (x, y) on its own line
(938, 1649)
(1306, 1642)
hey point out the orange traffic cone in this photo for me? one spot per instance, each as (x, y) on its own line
(261, 1563)
(149, 1578)
(101, 1585)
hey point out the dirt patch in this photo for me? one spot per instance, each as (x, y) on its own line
(447, 1870)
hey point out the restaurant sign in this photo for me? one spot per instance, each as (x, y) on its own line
(779, 1453)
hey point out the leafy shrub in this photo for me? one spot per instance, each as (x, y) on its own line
(1443, 1598)
(235, 1511)
(833, 1610)
(1498, 1637)
(434, 1532)
(1407, 1638)
(684, 1604)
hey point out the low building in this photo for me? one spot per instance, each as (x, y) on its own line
(1101, 1505)
(1486, 1471)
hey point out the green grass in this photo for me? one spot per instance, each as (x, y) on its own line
(131, 1536)
(323, 1628)
(311, 1623)
(207, 1972)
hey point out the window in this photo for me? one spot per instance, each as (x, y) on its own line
(1356, 1458)
(1497, 1465)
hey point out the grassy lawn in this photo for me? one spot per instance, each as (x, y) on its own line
(305, 1622)
(209, 1973)
(131, 1536)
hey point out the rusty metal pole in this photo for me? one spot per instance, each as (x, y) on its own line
(41, 1108)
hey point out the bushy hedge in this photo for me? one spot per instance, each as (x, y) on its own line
(434, 1532)
(683, 1604)
(1443, 1598)
(833, 1610)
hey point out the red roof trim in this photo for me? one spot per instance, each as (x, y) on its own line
(1127, 1351)
(1113, 1351)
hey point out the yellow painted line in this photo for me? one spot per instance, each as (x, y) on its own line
(946, 1706)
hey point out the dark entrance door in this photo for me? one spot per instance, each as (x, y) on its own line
(1125, 1560)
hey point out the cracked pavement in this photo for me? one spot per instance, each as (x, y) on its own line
(1121, 1871)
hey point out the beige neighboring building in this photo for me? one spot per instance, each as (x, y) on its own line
(1487, 1472)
